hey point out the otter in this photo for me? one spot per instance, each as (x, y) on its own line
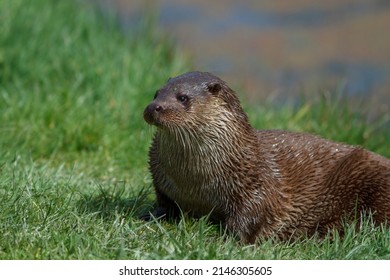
(206, 159)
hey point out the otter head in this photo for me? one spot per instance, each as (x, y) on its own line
(192, 101)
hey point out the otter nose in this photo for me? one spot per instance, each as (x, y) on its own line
(152, 111)
(155, 107)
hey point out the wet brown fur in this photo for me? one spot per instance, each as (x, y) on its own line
(207, 159)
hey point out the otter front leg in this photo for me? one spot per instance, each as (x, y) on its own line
(246, 228)
(166, 208)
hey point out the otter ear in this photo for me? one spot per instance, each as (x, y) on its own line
(214, 88)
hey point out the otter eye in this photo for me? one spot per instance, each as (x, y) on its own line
(182, 98)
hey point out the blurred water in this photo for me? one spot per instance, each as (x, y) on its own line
(279, 50)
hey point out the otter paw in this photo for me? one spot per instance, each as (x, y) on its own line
(157, 213)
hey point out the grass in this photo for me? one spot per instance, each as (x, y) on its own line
(73, 145)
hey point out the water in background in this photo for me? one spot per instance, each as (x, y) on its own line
(279, 50)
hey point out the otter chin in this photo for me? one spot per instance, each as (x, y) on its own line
(206, 159)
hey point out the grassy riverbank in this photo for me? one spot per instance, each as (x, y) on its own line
(73, 145)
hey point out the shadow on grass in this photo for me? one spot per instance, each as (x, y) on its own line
(113, 200)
